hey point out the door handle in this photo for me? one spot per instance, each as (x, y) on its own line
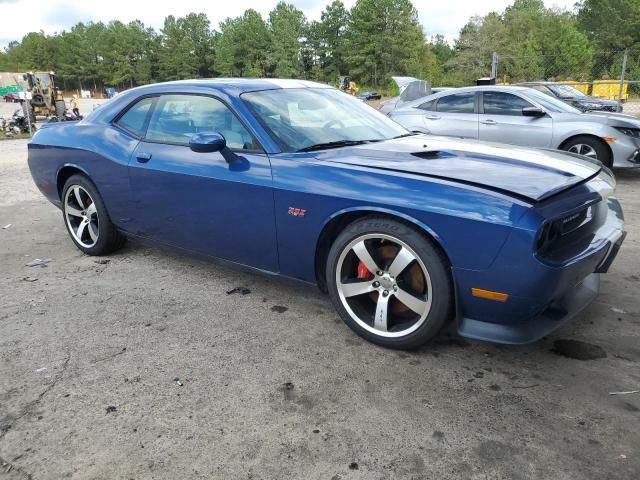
(489, 122)
(143, 157)
(433, 117)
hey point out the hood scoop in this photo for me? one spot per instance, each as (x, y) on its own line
(428, 154)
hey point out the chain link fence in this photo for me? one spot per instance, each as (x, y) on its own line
(604, 80)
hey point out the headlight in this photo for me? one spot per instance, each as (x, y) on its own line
(631, 132)
(552, 230)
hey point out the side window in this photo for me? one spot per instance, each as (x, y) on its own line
(177, 117)
(429, 106)
(501, 103)
(458, 103)
(134, 118)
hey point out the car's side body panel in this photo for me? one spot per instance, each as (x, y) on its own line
(203, 204)
(442, 208)
(102, 152)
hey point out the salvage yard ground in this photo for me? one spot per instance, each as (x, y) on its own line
(142, 365)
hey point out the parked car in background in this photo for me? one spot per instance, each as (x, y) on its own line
(410, 89)
(406, 232)
(11, 97)
(110, 92)
(524, 116)
(574, 97)
(366, 96)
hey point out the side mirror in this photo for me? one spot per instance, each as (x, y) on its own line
(533, 112)
(207, 142)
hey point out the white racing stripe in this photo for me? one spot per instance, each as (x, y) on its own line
(549, 159)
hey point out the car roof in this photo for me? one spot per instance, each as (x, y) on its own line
(457, 91)
(536, 83)
(239, 85)
(506, 88)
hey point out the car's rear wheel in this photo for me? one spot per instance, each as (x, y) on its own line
(86, 217)
(389, 283)
(589, 147)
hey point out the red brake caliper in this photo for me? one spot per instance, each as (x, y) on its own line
(363, 272)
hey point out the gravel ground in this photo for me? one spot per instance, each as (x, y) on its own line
(140, 366)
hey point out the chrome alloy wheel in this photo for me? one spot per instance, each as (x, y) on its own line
(81, 216)
(583, 149)
(392, 296)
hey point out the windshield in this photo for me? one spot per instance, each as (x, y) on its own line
(551, 104)
(565, 91)
(299, 118)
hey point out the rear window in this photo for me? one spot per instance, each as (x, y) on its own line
(134, 119)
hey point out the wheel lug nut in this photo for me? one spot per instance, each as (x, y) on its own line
(379, 273)
(385, 293)
(395, 288)
(376, 284)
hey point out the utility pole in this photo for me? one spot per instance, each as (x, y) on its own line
(624, 68)
(494, 65)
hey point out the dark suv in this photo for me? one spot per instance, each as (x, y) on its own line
(574, 97)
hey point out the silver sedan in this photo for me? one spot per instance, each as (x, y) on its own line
(523, 116)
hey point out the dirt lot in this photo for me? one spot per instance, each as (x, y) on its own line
(141, 366)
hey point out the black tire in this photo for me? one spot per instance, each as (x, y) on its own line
(431, 258)
(60, 108)
(602, 151)
(109, 238)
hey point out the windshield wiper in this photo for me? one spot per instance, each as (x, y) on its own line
(336, 144)
(410, 134)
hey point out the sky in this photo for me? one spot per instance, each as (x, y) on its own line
(18, 17)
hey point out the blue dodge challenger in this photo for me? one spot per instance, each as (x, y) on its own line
(405, 232)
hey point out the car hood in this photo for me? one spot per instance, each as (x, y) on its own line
(599, 101)
(522, 172)
(616, 118)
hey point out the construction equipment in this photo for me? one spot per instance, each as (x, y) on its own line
(46, 99)
(347, 85)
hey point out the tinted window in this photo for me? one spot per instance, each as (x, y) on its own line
(500, 103)
(459, 103)
(133, 120)
(177, 117)
(430, 106)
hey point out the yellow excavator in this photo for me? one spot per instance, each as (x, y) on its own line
(46, 99)
(347, 85)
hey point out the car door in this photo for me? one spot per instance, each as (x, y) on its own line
(453, 115)
(200, 201)
(501, 120)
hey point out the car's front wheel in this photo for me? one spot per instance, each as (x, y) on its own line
(389, 283)
(86, 217)
(590, 147)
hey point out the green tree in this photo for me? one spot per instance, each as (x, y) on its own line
(474, 48)
(287, 25)
(611, 24)
(330, 35)
(242, 48)
(381, 39)
(186, 47)
(441, 49)
(565, 49)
